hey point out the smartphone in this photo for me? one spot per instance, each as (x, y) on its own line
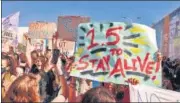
(55, 57)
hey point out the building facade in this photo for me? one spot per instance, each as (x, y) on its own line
(168, 34)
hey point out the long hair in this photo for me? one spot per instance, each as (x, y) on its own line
(17, 58)
(23, 58)
(97, 95)
(32, 57)
(23, 89)
(42, 59)
(10, 64)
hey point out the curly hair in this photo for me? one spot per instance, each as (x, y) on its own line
(23, 89)
(97, 95)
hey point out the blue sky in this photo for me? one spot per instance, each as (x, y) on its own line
(149, 11)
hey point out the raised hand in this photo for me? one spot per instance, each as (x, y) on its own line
(71, 66)
(59, 67)
(55, 41)
(132, 81)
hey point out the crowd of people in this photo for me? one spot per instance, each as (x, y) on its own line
(171, 74)
(44, 77)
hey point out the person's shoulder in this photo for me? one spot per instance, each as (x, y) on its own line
(6, 75)
(59, 98)
(51, 73)
(13, 77)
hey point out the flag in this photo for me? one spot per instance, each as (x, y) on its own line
(2, 19)
(10, 29)
(11, 22)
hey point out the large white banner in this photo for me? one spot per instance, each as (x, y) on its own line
(142, 93)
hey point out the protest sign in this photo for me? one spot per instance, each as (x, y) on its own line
(142, 93)
(66, 47)
(67, 26)
(38, 44)
(41, 30)
(9, 31)
(5, 44)
(7, 40)
(117, 52)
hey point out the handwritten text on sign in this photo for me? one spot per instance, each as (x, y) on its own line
(38, 44)
(66, 47)
(7, 39)
(142, 93)
(41, 30)
(117, 52)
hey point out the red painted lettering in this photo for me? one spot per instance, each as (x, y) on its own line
(112, 51)
(83, 62)
(119, 51)
(93, 61)
(126, 65)
(116, 51)
(149, 67)
(134, 64)
(106, 59)
(111, 33)
(92, 39)
(142, 65)
(158, 64)
(100, 65)
(118, 68)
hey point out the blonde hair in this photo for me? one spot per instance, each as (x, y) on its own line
(23, 89)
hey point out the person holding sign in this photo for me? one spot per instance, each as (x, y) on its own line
(26, 87)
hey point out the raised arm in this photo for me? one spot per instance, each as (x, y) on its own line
(28, 53)
(55, 61)
(62, 80)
